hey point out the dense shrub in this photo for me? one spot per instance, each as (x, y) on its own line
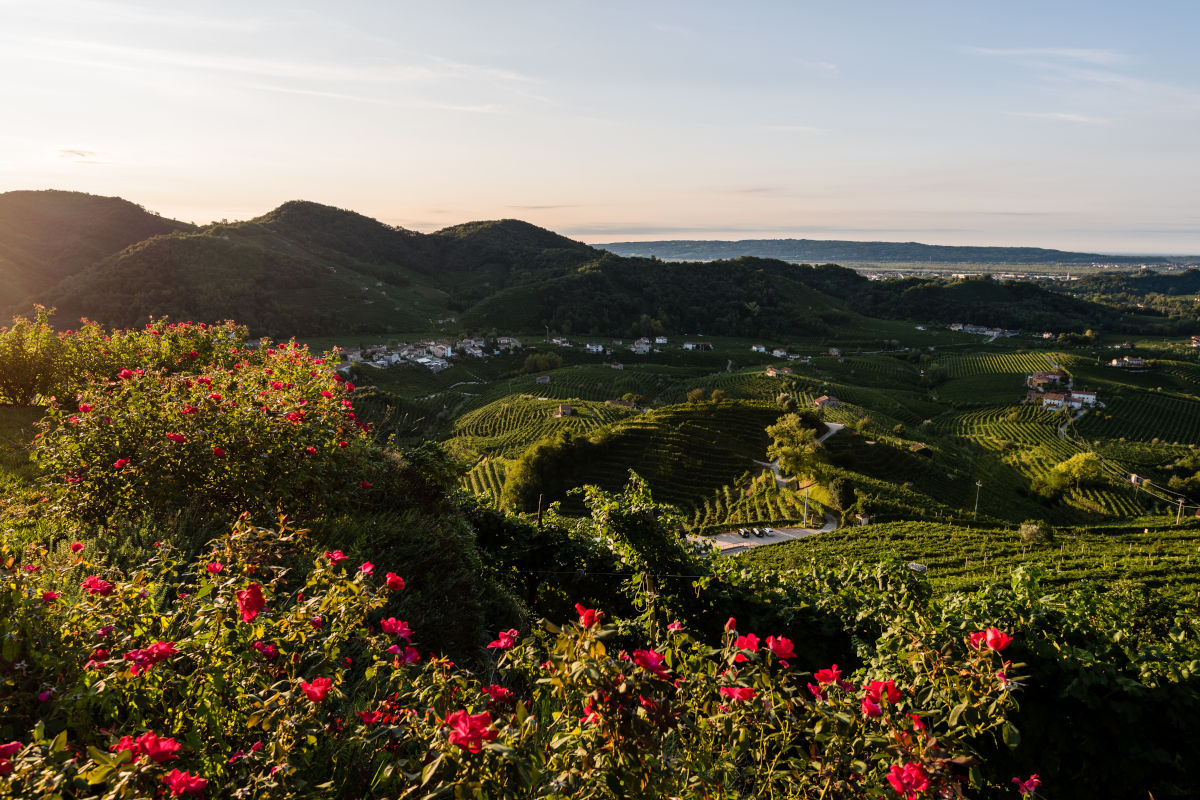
(272, 427)
(239, 674)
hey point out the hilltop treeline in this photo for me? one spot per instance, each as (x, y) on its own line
(310, 269)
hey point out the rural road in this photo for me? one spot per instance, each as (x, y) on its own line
(782, 482)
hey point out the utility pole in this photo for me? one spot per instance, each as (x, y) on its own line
(978, 486)
(806, 488)
(1179, 515)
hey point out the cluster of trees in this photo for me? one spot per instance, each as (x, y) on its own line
(1081, 469)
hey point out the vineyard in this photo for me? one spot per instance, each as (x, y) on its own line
(1164, 558)
(969, 364)
(506, 428)
(684, 452)
(486, 480)
(1146, 416)
(979, 444)
(754, 500)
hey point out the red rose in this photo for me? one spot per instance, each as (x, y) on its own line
(317, 690)
(250, 601)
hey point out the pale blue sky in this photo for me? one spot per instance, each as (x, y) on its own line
(1069, 125)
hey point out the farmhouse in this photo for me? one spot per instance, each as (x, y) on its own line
(594, 348)
(1037, 380)
(776, 371)
(1054, 400)
(560, 341)
(641, 347)
(1086, 398)
(827, 401)
(697, 346)
(542, 379)
(660, 340)
(758, 348)
(1128, 362)
(564, 411)
(833, 351)
(507, 343)
(779, 352)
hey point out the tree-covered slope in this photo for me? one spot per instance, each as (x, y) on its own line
(277, 285)
(46, 236)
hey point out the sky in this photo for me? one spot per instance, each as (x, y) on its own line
(1073, 125)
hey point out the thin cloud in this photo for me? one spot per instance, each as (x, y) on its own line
(1081, 119)
(82, 156)
(486, 108)
(1086, 55)
(425, 70)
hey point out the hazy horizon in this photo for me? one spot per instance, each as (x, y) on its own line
(937, 122)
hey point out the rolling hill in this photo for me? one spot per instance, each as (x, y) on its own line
(46, 236)
(310, 269)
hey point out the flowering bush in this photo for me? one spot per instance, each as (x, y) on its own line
(188, 677)
(256, 429)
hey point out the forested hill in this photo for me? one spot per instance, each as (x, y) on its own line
(310, 269)
(46, 236)
(843, 252)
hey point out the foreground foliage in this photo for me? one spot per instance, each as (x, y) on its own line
(241, 671)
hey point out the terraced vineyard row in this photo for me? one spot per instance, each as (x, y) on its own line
(684, 452)
(1166, 559)
(509, 426)
(1148, 416)
(486, 479)
(967, 364)
(875, 370)
(758, 501)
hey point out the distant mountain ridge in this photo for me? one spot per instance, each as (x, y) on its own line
(307, 269)
(816, 251)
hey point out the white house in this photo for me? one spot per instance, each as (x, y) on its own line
(594, 348)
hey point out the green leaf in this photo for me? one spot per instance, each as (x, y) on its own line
(430, 769)
(956, 713)
(1012, 737)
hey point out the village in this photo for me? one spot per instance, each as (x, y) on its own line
(436, 355)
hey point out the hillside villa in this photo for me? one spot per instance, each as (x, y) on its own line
(827, 401)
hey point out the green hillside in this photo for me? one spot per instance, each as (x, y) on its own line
(245, 271)
(50, 235)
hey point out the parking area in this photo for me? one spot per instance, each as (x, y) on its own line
(732, 542)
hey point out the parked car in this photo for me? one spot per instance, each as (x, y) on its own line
(758, 532)
(745, 534)
(768, 531)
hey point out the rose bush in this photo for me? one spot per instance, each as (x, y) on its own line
(186, 678)
(256, 429)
